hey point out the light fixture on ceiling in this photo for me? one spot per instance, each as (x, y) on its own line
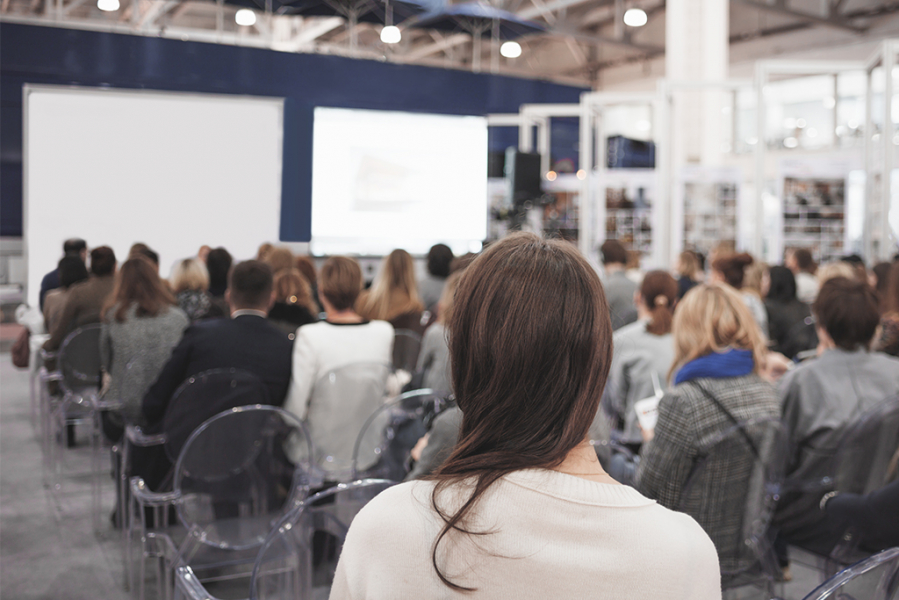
(108, 5)
(391, 34)
(510, 49)
(245, 17)
(635, 17)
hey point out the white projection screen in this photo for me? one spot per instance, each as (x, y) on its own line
(172, 170)
(383, 180)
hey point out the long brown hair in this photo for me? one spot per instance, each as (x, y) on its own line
(891, 300)
(528, 368)
(659, 293)
(137, 282)
(394, 292)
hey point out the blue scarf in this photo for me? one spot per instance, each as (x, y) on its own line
(732, 363)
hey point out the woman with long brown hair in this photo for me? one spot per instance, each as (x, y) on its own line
(293, 305)
(141, 325)
(643, 353)
(522, 507)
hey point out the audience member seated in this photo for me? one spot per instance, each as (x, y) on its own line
(888, 341)
(85, 300)
(871, 520)
(218, 263)
(433, 360)
(879, 279)
(51, 281)
(789, 324)
(718, 355)
(832, 270)
(344, 338)
(279, 258)
(619, 288)
(293, 305)
(190, 283)
(801, 263)
(141, 325)
(434, 448)
(393, 296)
(246, 341)
(822, 396)
(307, 268)
(643, 351)
(141, 249)
(689, 272)
(440, 257)
(522, 507)
(731, 269)
(71, 270)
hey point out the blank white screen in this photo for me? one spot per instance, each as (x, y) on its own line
(174, 171)
(383, 180)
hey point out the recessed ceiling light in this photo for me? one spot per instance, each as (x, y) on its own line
(245, 17)
(510, 49)
(391, 34)
(635, 17)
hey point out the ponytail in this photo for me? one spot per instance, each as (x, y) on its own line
(659, 293)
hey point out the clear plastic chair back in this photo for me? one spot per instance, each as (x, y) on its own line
(384, 443)
(298, 559)
(875, 578)
(234, 480)
(732, 493)
(871, 441)
(79, 358)
(342, 401)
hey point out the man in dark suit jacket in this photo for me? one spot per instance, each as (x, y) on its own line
(246, 341)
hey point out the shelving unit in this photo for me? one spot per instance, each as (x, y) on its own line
(814, 216)
(710, 214)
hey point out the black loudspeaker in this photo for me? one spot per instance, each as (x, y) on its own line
(523, 172)
(496, 164)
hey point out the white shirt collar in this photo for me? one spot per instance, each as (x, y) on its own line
(248, 311)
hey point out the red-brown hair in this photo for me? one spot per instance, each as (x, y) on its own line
(528, 368)
(733, 268)
(137, 282)
(659, 293)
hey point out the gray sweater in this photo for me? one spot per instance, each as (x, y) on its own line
(134, 352)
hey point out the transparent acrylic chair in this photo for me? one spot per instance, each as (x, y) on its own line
(406, 347)
(742, 469)
(342, 401)
(199, 398)
(232, 482)
(874, 578)
(383, 445)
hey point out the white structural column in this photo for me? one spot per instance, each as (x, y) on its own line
(696, 51)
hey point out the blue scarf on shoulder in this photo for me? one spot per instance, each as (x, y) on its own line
(732, 363)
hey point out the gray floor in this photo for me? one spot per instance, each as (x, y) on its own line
(48, 548)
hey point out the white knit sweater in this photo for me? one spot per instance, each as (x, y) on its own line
(552, 535)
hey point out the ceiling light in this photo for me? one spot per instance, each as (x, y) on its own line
(391, 34)
(108, 5)
(635, 17)
(510, 49)
(245, 17)
(582, 174)
(551, 176)
(791, 142)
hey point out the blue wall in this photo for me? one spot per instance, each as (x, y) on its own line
(47, 55)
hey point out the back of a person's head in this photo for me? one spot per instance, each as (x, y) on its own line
(448, 298)
(891, 301)
(71, 270)
(659, 293)
(832, 270)
(714, 318)
(263, 251)
(279, 258)
(102, 261)
(292, 288)
(460, 263)
(340, 282)
(847, 310)
(394, 291)
(733, 268)
(613, 252)
(189, 274)
(688, 264)
(527, 368)
(783, 284)
(250, 285)
(138, 283)
(440, 258)
(307, 268)
(74, 246)
(753, 277)
(141, 249)
(218, 263)
(804, 260)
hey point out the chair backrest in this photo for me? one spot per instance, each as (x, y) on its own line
(79, 358)
(875, 578)
(733, 488)
(870, 441)
(284, 566)
(342, 400)
(390, 433)
(406, 347)
(204, 395)
(233, 477)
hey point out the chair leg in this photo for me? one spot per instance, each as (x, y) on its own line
(96, 469)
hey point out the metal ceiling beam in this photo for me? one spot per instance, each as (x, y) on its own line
(594, 38)
(157, 9)
(448, 42)
(548, 7)
(832, 22)
(311, 32)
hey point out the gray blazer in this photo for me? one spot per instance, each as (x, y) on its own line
(441, 440)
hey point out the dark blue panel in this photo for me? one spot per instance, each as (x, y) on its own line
(30, 54)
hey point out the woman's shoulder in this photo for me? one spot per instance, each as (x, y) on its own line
(391, 512)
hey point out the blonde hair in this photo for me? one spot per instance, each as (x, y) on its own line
(394, 292)
(753, 276)
(688, 264)
(835, 269)
(448, 298)
(292, 288)
(189, 274)
(714, 318)
(279, 258)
